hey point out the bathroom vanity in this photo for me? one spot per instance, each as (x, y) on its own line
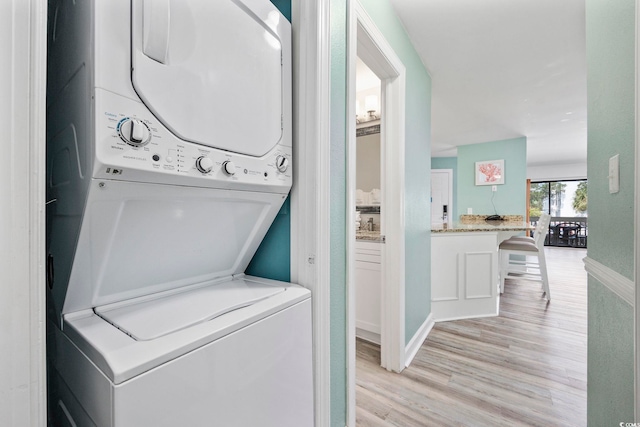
(368, 282)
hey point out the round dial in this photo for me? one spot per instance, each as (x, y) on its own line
(282, 163)
(229, 167)
(134, 132)
(204, 164)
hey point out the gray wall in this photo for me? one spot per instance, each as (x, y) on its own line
(368, 162)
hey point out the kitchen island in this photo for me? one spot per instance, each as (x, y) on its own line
(464, 266)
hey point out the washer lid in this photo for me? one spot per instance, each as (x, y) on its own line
(154, 318)
(213, 72)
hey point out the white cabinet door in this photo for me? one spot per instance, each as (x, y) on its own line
(368, 282)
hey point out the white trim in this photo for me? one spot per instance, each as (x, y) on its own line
(614, 281)
(352, 40)
(416, 342)
(380, 57)
(366, 335)
(22, 227)
(636, 204)
(37, 195)
(310, 195)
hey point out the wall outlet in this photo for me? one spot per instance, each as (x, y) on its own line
(494, 188)
(469, 211)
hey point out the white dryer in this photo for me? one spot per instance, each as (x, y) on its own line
(168, 158)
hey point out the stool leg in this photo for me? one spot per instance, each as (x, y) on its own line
(543, 272)
(504, 266)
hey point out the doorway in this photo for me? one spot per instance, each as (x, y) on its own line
(366, 42)
(442, 208)
(369, 256)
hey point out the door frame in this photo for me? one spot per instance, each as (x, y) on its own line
(310, 199)
(636, 313)
(366, 41)
(22, 298)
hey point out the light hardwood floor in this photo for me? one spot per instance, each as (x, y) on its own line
(526, 367)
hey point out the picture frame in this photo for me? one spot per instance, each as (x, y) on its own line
(490, 172)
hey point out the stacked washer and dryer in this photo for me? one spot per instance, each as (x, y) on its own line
(169, 156)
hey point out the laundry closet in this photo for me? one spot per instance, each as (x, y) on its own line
(158, 196)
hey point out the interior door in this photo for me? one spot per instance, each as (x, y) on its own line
(441, 196)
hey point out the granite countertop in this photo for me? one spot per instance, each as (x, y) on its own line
(470, 223)
(370, 236)
(460, 227)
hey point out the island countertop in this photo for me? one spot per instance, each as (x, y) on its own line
(460, 227)
(471, 223)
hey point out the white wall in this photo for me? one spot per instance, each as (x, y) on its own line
(553, 172)
(22, 314)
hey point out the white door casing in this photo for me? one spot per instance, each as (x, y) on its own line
(23, 42)
(310, 197)
(637, 219)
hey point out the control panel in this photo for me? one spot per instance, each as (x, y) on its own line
(133, 145)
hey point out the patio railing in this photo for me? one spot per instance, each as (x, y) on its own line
(567, 231)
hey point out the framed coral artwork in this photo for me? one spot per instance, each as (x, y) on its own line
(490, 172)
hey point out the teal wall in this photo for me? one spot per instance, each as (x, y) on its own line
(338, 220)
(284, 6)
(511, 198)
(610, 30)
(417, 238)
(449, 163)
(610, 356)
(417, 166)
(273, 258)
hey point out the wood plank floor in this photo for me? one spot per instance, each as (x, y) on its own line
(526, 367)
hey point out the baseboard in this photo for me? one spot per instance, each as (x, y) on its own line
(414, 345)
(474, 316)
(369, 336)
(612, 280)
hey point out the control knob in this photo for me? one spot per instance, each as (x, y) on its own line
(204, 164)
(134, 132)
(282, 164)
(229, 167)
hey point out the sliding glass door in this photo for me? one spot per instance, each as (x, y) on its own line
(566, 202)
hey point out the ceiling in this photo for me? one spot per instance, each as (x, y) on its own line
(503, 69)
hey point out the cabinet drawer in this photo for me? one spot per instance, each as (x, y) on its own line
(377, 259)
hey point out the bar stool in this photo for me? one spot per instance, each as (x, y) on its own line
(528, 247)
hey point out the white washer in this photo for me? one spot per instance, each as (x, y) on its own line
(169, 156)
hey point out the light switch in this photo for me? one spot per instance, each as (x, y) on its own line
(614, 174)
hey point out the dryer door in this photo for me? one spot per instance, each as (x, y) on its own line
(216, 73)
